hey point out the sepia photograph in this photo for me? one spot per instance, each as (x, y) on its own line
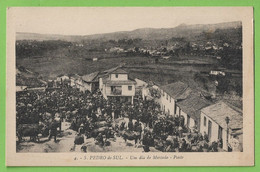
(170, 82)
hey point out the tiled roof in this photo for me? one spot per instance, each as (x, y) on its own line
(119, 71)
(112, 70)
(76, 76)
(90, 77)
(219, 111)
(177, 90)
(29, 82)
(193, 104)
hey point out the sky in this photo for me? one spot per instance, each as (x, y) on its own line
(94, 20)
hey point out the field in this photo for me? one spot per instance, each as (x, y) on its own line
(49, 68)
(192, 70)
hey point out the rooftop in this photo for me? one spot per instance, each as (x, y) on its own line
(109, 71)
(60, 75)
(76, 76)
(90, 77)
(219, 111)
(177, 90)
(119, 71)
(29, 82)
(193, 104)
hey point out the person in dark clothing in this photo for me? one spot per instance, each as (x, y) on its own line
(130, 125)
(139, 128)
(81, 129)
(146, 142)
(53, 130)
(184, 146)
(79, 139)
(73, 125)
(100, 139)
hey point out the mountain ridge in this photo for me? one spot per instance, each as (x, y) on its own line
(182, 30)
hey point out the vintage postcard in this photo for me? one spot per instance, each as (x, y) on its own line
(130, 86)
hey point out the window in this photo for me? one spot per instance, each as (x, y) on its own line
(167, 96)
(116, 90)
(205, 121)
(112, 88)
(129, 88)
(170, 99)
(116, 75)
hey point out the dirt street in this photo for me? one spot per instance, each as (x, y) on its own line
(65, 143)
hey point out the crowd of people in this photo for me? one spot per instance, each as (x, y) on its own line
(93, 116)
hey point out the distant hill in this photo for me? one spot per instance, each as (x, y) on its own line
(183, 30)
(46, 37)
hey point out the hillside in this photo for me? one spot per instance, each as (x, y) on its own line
(183, 30)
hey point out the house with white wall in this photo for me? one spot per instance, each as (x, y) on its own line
(142, 88)
(74, 80)
(90, 82)
(115, 84)
(190, 108)
(170, 94)
(213, 123)
(61, 78)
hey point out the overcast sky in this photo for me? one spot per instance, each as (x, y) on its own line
(87, 21)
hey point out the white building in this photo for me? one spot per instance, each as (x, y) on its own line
(94, 59)
(141, 87)
(90, 82)
(75, 80)
(115, 84)
(61, 78)
(213, 123)
(214, 72)
(190, 108)
(170, 94)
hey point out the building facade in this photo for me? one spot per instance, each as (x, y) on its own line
(117, 85)
(221, 122)
(190, 108)
(90, 82)
(170, 95)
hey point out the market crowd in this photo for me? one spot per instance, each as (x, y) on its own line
(93, 116)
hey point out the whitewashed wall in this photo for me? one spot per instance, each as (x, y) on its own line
(62, 78)
(100, 84)
(86, 86)
(120, 77)
(185, 115)
(214, 133)
(126, 92)
(168, 104)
